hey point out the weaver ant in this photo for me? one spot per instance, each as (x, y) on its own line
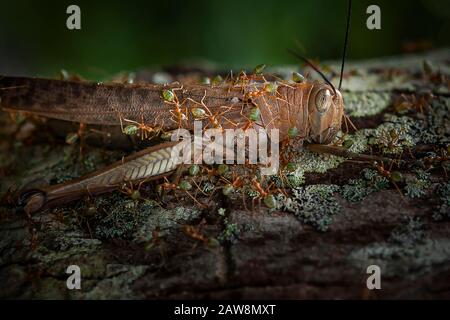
(392, 176)
(266, 195)
(204, 112)
(195, 232)
(131, 191)
(178, 115)
(135, 126)
(182, 185)
(419, 104)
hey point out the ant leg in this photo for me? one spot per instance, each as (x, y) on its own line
(195, 200)
(177, 174)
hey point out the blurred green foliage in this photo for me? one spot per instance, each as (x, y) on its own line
(127, 35)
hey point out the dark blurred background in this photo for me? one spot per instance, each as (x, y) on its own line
(126, 35)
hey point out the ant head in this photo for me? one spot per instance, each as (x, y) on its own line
(325, 109)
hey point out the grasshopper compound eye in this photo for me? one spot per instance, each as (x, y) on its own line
(323, 100)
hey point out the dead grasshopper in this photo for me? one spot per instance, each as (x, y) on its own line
(313, 110)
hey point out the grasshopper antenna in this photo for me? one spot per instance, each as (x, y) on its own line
(347, 31)
(309, 63)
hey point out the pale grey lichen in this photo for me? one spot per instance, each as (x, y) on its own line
(314, 205)
(359, 142)
(362, 104)
(437, 122)
(230, 233)
(249, 191)
(313, 162)
(295, 179)
(405, 261)
(394, 135)
(399, 132)
(357, 189)
(221, 212)
(416, 186)
(407, 252)
(164, 221)
(118, 218)
(208, 187)
(410, 233)
(116, 284)
(289, 179)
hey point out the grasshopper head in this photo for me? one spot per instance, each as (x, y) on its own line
(325, 109)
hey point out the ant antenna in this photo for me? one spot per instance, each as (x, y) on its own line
(345, 42)
(309, 63)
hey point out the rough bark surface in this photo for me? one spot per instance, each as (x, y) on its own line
(137, 249)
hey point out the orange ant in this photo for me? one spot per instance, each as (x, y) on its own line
(131, 191)
(392, 176)
(155, 240)
(135, 126)
(429, 161)
(412, 102)
(195, 232)
(394, 139)
(253, 116)
(236, 181)
(178, 116)
(214, 119)
(184, 185)
(436, 159)
(255, 112)
(242, 80)
(166, 185)
(71, 137)
(263, 194)
(258, 187)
